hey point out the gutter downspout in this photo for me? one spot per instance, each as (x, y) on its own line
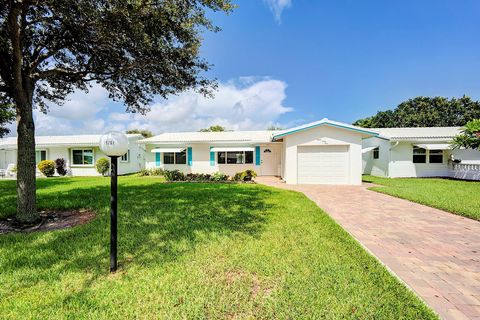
(390, 155)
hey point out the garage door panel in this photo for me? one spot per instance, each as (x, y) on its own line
(323, 165)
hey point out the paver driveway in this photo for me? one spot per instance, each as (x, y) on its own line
(435, 253)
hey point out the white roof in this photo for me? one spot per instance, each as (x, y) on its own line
(84, 140)
(325, 121)
(224, 136)
(430, 133)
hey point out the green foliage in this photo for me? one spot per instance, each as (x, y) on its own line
(151, 172)
(174, 175)
(193, 251)
(219, 176)
(47, 167)
(144, 133)
(102, 165)
(425, 112)
(60, 166)
(216, 128)
(274, 128)
(456, 196)
(246, 175)
(7, 115)
(469, 137)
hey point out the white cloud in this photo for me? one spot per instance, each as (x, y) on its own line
(246, 103)
(277, 7)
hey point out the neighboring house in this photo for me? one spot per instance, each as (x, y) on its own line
(80, 152)
(418, 152)
(322, 152)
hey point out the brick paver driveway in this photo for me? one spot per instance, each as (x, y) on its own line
(435, 253)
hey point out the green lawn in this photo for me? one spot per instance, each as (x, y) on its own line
(456, 196)
(193, 251)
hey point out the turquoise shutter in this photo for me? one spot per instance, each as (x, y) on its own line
(212, 157)
(257, 155)
(157, 159)
(189, 156)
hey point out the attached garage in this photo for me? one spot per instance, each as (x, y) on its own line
(323, 164)
(323, 152)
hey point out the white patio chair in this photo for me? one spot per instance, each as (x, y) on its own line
(10, 171)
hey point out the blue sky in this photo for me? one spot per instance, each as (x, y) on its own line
(287, 62)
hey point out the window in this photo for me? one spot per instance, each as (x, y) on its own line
(125, 157)
(235, 157)
(419, 155)
(376, 153)
(175, 157)
(435, 156)
(82, 157)
(40, 155)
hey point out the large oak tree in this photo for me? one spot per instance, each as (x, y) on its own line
(133, 48)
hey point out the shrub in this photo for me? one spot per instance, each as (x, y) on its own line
(246, 175)
(218, 176)
(174, 175)
(60, 166)
(102, 165)
(151, 172)
(47, 168)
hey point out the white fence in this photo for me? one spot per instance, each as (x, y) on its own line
(465, 171)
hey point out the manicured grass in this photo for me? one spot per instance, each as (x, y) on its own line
(456, 196)
(191, 251)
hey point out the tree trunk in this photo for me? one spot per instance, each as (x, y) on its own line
(26, 171)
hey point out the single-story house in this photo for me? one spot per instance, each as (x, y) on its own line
(418, 152)
(321, 152)
(80, 152)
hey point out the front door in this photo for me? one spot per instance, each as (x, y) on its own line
(268, 160)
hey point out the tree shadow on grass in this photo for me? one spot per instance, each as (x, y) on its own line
(158, 223)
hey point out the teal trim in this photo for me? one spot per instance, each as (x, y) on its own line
(189, 156)
(212, 157)
(328, 124)
(157, 159)
(257, 155)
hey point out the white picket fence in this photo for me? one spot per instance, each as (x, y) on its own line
(465, 171)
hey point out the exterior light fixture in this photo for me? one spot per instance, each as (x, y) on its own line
(114, 144)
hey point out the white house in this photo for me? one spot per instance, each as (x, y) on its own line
(322, 152)
(80, 152)
(418, 152)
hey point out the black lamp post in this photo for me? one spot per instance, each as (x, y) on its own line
(113, 144)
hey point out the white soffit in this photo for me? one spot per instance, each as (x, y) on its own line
(365, 150)
(168, 150)
(226, 149)
(434, 146)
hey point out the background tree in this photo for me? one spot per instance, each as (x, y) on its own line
(132, 48)
(425, 112)
(215, 128)
(7, 115)
(144, 133)
(469, 138)
(274, 128)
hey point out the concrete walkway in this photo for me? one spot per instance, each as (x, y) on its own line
(435, 253)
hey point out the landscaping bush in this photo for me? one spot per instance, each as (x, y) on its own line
(218, 176)
(102, 165)
(174, 175)
(151, 172)
(47, 167)
(246, 175)
(61, 167)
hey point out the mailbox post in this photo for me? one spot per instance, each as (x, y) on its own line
(113, 144)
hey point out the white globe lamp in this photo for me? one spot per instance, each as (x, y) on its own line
(114, 144)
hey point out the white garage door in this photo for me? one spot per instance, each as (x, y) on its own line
(323, 165)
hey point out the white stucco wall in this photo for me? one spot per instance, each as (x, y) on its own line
(333, 136)
(376, 167)
(201, 160)
(401, 164)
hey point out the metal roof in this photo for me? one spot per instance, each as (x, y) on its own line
(90, 140)
(224, 136)
(423, 133)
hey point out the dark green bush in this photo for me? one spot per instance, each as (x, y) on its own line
(47, 168)
(60, 165)
(102, 165)
(174, 175)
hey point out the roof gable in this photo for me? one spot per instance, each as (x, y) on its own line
(325, 122)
